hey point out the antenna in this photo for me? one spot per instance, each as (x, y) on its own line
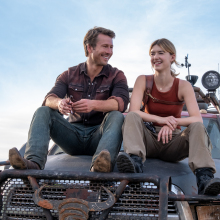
(187, 64)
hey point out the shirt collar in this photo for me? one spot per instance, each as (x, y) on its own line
(104, 71)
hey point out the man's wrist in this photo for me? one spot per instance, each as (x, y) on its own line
(93, 105)
(58, 103)
(52, 102)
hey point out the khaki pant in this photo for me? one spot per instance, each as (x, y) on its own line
(193, 142)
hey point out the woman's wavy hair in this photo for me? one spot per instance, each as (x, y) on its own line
(167, 46)
(92, 35)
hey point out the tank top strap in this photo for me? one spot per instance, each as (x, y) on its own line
(176, 87)
(176, 84)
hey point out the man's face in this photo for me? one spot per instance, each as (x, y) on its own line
(103, 50)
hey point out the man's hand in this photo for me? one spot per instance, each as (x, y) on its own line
(170, 121)
(165, 134)
(83, 106)
(65, 106)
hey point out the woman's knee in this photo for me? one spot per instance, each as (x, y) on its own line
(196, 125)
(131, 119)
(197, 128)
(132, 116)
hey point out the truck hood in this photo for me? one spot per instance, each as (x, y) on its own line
(180, 173)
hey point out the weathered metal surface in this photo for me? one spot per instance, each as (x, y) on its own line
(139, 198)
(117, 194)
(4, 163)
(70, 192)
(204, 97)
(35, 186)
(33, 182)
(81, 194)
(73, 207)
(201, 198)
(184, 210)
(46, 174)
(211, 212)
(165, 184)
(93, 206)
(99, 206)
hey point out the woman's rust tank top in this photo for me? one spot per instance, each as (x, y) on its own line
(165, 110)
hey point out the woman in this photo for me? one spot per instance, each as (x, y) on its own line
(163, 104)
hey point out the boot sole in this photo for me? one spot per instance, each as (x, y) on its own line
(125, 164)
(103, 162)
(16, 160)
(212, 188)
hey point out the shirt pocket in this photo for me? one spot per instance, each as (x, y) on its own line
(76, 91)
(102, 93)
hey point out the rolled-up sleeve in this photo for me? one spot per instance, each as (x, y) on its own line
(60, 88)
(120, 91)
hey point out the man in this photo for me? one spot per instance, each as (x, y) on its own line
(93, 94)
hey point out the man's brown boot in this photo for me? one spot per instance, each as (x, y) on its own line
(18, 162)
(102, 162)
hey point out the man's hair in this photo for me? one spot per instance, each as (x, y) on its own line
(92, 35)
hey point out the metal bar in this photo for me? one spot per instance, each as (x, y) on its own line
(165, 184)
(35, 186)
(184, 210)
(204, 97)
(215, 101)
(67, 175)
(33, 183)
(118, 193)
(4, 163)
(204, 198)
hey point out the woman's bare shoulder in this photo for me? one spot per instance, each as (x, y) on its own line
(140, 83)
(141, 77)
(140, 80)
(184, 84)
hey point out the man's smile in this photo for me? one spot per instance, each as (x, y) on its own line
(106, 57)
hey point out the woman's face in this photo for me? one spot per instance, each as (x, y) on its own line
(160, 59)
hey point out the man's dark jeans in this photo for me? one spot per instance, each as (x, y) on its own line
(75, 138)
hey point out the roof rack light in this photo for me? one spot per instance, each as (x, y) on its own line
(211, 80)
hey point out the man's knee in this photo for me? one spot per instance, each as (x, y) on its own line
(45, 111)
(116, 116)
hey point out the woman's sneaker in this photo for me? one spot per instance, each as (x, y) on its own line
(129, 164)
(207, 184)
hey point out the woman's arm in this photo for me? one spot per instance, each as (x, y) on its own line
(137, 94)
(135, 105)
(187, 94)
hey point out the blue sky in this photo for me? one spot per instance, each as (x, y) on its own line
(41, 39)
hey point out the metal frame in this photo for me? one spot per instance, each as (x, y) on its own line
(163, 184)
